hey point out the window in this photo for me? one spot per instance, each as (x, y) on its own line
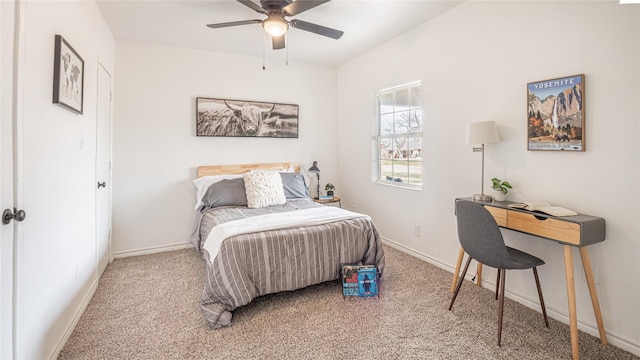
(398, 141)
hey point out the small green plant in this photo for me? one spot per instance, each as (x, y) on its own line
(499, 185)
(329, 187)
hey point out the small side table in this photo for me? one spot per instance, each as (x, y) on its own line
(336, 199)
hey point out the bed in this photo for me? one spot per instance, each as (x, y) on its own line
(254, 248)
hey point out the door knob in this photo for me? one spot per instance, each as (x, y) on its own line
(8, 215)
(102, 184)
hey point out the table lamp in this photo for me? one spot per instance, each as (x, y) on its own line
(483, 132)
(314, 169)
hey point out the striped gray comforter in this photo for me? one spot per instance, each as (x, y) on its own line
(266, 262)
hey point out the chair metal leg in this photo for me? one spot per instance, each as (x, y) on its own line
(460, 280)
(497, 284)
(544, 311)
(501, 305)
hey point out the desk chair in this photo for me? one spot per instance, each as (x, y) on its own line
(481, 238)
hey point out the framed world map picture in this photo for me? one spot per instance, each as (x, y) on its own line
(68, 76)
(555, 110)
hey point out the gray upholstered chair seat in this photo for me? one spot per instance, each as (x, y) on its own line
(521, 260)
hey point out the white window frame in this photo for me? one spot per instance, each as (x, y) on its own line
(377, 137)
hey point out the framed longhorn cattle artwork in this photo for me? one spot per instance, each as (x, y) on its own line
(239, 118)
(68, 76)
(555, 113)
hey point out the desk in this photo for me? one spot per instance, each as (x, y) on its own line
(569, 231)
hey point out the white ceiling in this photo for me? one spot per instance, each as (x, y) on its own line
(366, 24)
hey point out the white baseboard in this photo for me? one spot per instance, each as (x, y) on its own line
(561, 315)
(74, 321)
(151, 250)
(417, 254)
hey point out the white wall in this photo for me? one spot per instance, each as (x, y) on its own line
(57, 254)
(156, 152)
(474, 62)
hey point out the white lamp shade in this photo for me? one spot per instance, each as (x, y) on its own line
(483, 132)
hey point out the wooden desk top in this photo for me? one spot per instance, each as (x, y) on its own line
(579, 230)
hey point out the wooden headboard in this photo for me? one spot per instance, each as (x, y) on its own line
(243, 168)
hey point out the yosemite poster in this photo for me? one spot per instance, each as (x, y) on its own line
(556, 114)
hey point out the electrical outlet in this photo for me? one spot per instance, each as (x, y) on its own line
(416, 230)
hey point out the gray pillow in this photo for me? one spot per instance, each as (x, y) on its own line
(294, 185)
(228, 192)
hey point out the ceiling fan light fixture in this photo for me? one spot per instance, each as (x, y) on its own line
(275, 25)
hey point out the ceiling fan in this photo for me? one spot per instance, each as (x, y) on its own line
(276, 25)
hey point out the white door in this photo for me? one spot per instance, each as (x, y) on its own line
(103, 170)
(6, 239)
(8, 232)
(6, 202)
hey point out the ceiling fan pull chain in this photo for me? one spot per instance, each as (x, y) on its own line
(286, 62)
(264, 46)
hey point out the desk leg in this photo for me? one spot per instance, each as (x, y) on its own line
(456, 273)
(586, 263)
(571, 295)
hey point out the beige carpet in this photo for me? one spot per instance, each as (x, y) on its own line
(147, 307)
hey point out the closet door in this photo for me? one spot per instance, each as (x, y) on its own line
(103, 170)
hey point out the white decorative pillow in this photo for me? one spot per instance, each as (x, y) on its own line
(264, 188)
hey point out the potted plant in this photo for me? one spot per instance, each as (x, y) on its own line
(501, 188)
(329, 189)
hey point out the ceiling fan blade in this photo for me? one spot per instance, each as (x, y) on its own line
(234, 23)
(255, 7)
(299, 6)
(316, 29)
(278, 42)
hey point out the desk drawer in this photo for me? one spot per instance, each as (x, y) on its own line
(564, 231)
(500, 215)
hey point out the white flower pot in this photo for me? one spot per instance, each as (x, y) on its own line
(499, 195)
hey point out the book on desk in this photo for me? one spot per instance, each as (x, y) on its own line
(543, 207)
